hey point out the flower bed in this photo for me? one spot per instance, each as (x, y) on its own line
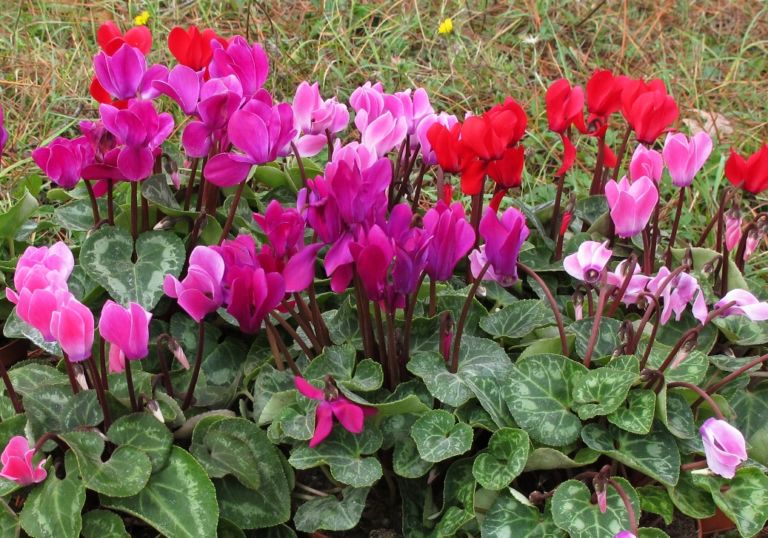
(393, 330)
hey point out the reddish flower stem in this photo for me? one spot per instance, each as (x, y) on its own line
(627, 505)
(597, 174)
(554, 226)
(189, 396)
(622, 153)
(702, 394)
(733, 375)
(71, 374)
(619, 295)
(110, 202)
(463, 317)
(99, 391)
(232, 212)
(724, 199)
(129, 384)
(94, 202)
(9, 388)
(293, 334)
(190, 183)
(602, 298)
(675, 224)
(552, 303)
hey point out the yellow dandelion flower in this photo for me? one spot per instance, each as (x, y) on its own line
(446, 27)
(141, 19)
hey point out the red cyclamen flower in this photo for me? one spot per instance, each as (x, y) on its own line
(191, 47)
(750, 174)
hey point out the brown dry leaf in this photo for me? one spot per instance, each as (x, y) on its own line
(713, 123)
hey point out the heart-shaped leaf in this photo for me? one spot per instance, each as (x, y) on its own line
(103, 524)
(518, 319)
(406, 461)
(636, 414)
(607, 336)
(53, 508)
(744, 498)
(656, 500)
(339, 362)
(655, 454)
(691, 500)
(574, 512)
(539, 395)
(545, 458)
(146, 433)
(438, 436)
(458, 498)
(751, 410)
(742, 331)
(106, 257)
(693, 369)
(508, 517)
(504, 459)
(331, 514)
(179, 500)
(253, 509)
(675, 413)
(601, 391)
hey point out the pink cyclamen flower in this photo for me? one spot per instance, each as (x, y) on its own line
(451, 238)
(751, 244)
(72, 326)
(332, 404)
(36, 307)
(588, 261)
(684, 157)
(637, 282)
(631, 204)
(646, 162)
(127, 331)
(219, 99)
(625, 534)
(63, 160)
(368, 103)
(55, 262)
(313, 117)
(384, 133)
(3, 132)
(18, 465)
(503, 239)
(681, 290)
(732, 228)
(124, 74)
(183, 86)
(249, 63)
(724, 447)
(746, 305)
(200, 293)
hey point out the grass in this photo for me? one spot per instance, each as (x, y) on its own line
(712, 54)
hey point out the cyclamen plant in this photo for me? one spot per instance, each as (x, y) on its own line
(393, 321)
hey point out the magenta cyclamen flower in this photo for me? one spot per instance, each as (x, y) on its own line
(646, 162)
(140, 130)
(249, 63)
(200, 292)
(684, 157)
(625, 534)
(588, 261)
(253, 294)
(332, 404)
(313, 117)
(17, 463)
(746, 305)
(683, 289)
(63, 160)
(72, 326)
(724, 447)
(451, 239)
(125, 75)
(3, 132)
(503, 239)
(631, 204)
(219, 99)
(56, 262)
(259, 129)
(127, 331)
(183, 86)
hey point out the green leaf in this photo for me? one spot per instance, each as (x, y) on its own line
(503, 460)
(691, 500)
(13, 219)
(346, 455)
(458, 498)
(253, 509)
(9, 522)
(742, 331)
(751, 410)
(517, 319)
(77, 215)
(478, 357)
(106, 257)
(227, 529)
(539, 395)
(28, 378)
(124, 474)
(675, 413)
(655, 454)
(103, 524)
(607, 336)
(744, 498)
(545, 459)
(574, 512)
(635, 414)
(656, 500)
(406, 461)
(339, 362)
(156, 189)
(508, 517)
(45, 407)
(702, 256)
(602, 391)
(52, 509)
(330, 513)
(438, 436)
(14, 327)
(179, 500)
(453, 300)
(344, 325)
(83, 409)
(546, 346)
(693, 369)
(144, 432)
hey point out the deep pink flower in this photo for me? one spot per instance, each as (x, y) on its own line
(249, 63)
(588, 261)
(646, 162)
(17, 463)
(36, 307)
(253, 294)
(503, 239)
(451, 238)
(313, 117)
(219, 99)
(684, 157)
(56, 262)
(63, 160)
(350, 415)
(373, 253)
(724, 447)
(124, 74)
(183, 86)
(384, 133)
(746, 305)
(631, 204)
(200, 292)
(625, 534)
(413, 107)
(72, 326)
(126, 330)
(683, 289)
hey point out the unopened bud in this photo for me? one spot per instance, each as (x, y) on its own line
(154, 408)
(178, 352)
(166, 223)
(80, 376)
(753, 239)
(732, 228)
(578, 305)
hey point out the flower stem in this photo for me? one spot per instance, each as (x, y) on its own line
(408, 316)
(165, 372)
(554, 226)
(675, 224)
(724, 199)
(103, 362)
(110, 202)
(597, 174)
(134, 212)
(603, 297)
(190, 183)
(463, 317)
(702, 394)
(724, 268)
(299, 163)
(196, 371)
(99, 391)
(622, 152)
(619, 295)
(393, 362)
(382, 344)
(432, 298)
(129, 383)
(733, 375)
(627, 505)
(552, 303)
(293, 334)
(317, 318)
(94, 202)
(232, 212)
(71, 374)
(9, 388)
(419, 183)
(279, 364)
(201, 188)
(144, 213)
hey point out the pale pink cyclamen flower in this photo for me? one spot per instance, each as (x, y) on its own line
(625, 534)
(72, 326)
(18, 465)
(646, 162)
(683, 289)
(746, 305)
(313, 117)
(751, 244)
(631, 204)
(724, 447)
(637, 282)
(684, 158)
(200, 292)
(384, 133)
(588, 261)
(350, 415)
(127, 331)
